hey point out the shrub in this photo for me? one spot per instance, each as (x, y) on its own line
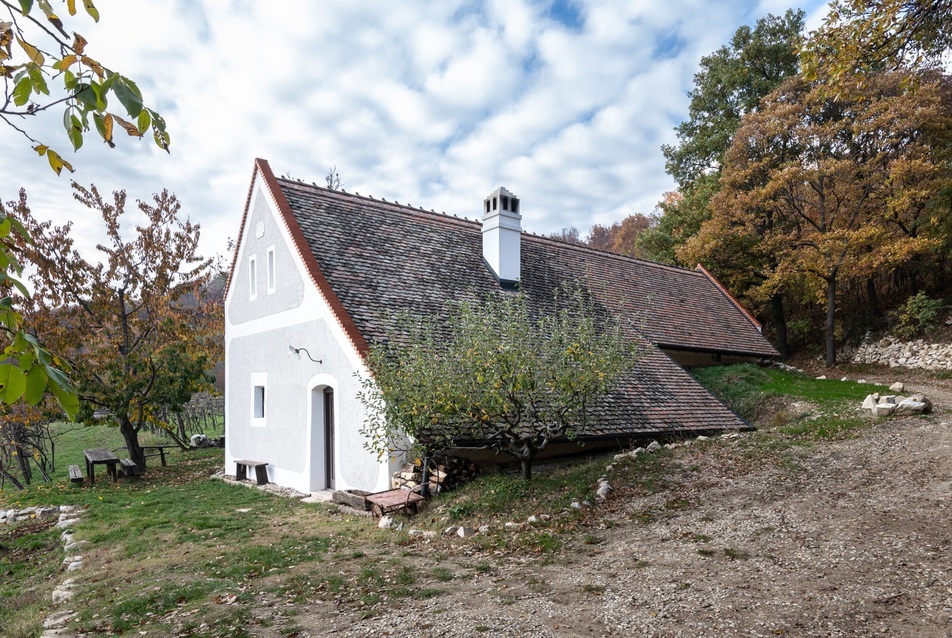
(918, 315)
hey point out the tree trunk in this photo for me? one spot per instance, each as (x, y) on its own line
(830, 320)
(780, 325)
(872, 298)
(131, 437)
(23, 458)
(526, 468)
(11, 478)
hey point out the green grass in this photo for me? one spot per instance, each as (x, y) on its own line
(175, 553)
(748, 389)
(70, 439)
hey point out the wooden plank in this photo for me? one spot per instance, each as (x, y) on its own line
(75, 474)
(129, 468)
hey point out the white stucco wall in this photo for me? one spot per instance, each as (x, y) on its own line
(258, 333)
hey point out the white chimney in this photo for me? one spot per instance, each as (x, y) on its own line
(501, 235)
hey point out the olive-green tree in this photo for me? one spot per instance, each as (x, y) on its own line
(495, 375)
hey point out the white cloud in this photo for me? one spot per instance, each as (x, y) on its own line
(430, 103)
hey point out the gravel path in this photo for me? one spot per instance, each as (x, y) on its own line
(849, 538)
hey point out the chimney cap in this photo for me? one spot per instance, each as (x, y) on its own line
(501, 201)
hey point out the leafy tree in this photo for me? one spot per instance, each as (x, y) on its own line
(682, 214)
(863, 36)
(494, 374)
(43, 67)
(730, 84)
(25, 441)
(837, 189)
(28, 370)
(570, 235)
(621, 237)
(132, 321)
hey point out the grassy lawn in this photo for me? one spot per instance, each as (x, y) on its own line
(175, 553)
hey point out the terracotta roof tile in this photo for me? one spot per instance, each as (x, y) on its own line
(380, 258)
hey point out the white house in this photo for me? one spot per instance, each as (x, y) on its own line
(318, 275)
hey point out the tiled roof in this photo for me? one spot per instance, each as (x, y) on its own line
(380, 258)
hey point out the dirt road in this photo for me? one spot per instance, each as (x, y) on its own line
(847, 538)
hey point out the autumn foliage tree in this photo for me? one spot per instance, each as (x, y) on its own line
(132, 320)
(817, 190)
(43, 68)
(871, 36)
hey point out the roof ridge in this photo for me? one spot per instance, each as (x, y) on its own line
(382, 203)
(611, 254)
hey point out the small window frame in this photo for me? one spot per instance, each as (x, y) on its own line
(272, 275)
(253, 277)
(259, 399)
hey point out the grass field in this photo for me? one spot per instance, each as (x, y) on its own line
(175, 553)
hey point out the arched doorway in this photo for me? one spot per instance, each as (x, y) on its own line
(323, 467)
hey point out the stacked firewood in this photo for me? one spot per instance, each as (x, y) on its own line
(445, 473)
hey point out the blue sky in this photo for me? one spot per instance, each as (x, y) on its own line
(565, 103)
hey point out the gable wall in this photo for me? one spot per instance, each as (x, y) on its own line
(262, 232)
(258, 333)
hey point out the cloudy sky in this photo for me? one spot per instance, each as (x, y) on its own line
(565, 103)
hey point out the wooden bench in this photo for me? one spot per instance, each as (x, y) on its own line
(128, 467)
(75, 474)
(261, 470)
(157, 450)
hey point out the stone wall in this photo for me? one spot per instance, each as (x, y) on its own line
(891, 352)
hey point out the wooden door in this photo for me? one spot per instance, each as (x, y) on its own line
(329, 438)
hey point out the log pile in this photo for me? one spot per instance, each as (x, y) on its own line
(446, 473)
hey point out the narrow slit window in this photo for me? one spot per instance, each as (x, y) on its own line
(271, 275)
(253, 277)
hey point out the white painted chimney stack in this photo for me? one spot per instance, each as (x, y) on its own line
(502, 229)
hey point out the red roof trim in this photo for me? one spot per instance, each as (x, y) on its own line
(304, 251)
(729, 296)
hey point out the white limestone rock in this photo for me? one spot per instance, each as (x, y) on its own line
(386, 522)
(898, 386)
(59, 620)
(884, 409)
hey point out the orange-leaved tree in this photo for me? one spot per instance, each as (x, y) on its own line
(137, 321)
(824, 190)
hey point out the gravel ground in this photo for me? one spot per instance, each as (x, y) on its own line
(848, 538)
